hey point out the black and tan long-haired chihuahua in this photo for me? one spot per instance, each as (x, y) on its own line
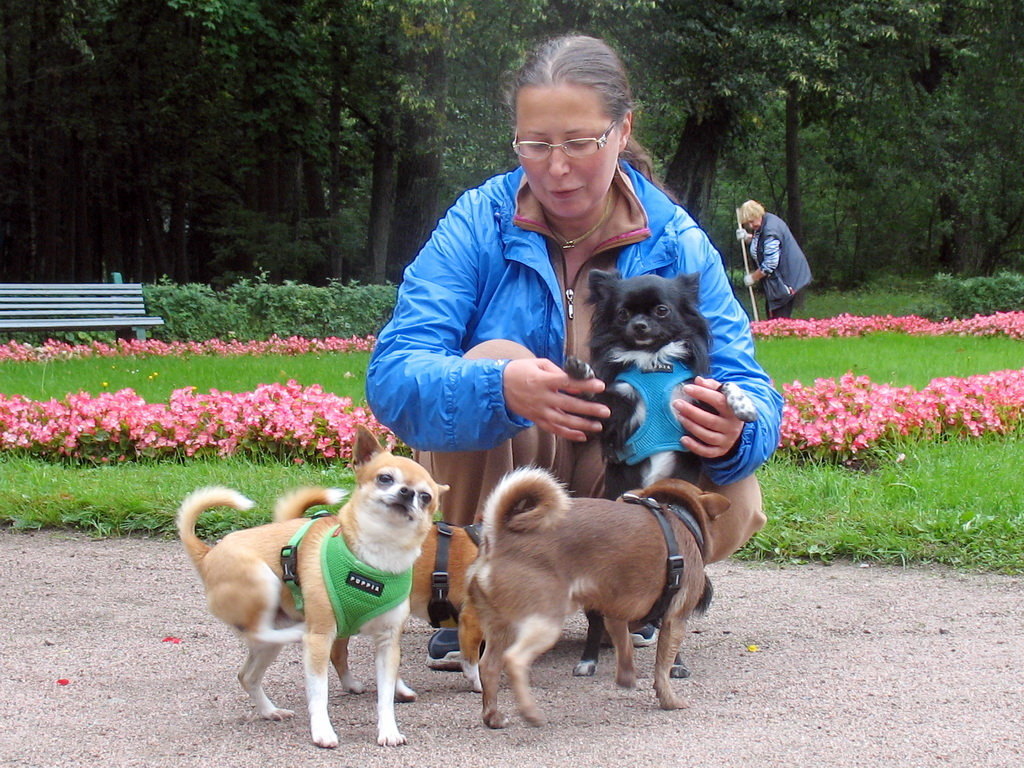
(647, 340)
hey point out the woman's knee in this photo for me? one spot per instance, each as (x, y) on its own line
(498, 349)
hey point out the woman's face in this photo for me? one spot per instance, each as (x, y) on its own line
(571, 189)
(753, 225)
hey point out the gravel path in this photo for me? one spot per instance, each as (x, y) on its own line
(797, 666)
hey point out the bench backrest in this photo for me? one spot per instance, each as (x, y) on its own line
(73, 305)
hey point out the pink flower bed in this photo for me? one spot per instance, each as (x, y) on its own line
(844, 416)
(1000, 324)
(833, 417)
(284, 420)
(59, 350)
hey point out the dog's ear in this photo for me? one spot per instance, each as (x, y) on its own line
(688, 286)
(602, 284)
(687, 291)
(714, 504)
(366, 446)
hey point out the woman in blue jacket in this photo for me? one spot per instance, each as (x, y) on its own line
(467, 372)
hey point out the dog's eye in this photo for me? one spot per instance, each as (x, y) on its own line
(661, 310)
(384, 480)
(425, 498)
(622, 315)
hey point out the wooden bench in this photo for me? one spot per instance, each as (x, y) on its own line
(74, 307)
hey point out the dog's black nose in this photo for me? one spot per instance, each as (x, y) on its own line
(407, 494)
(640, 327)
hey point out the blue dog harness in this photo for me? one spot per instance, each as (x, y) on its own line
(661, 430)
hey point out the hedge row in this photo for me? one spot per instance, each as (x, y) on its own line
(254, 309)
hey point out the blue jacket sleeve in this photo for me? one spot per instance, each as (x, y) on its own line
(733, 360)
(418, 383)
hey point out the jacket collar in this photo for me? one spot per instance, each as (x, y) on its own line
(627, 223)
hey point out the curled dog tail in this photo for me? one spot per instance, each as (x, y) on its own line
(296, 503)
(194, 505)
(527, 499)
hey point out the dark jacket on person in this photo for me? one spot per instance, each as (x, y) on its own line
(793, 272)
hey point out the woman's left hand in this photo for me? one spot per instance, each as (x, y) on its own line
(708, 435)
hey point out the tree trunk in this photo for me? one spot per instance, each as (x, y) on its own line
(948, 256)
(382, 205)
(794, 207)
(178, 233)
(691, 173)
(419, 168)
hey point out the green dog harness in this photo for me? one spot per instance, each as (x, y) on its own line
(358, 591)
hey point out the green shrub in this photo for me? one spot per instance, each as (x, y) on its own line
(256, 309)
(191, 312)
(253, 308)
(971, 296)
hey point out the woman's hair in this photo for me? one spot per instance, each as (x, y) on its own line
(751, 210)
(591, 63)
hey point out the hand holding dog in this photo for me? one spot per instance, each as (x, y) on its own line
(540, 391)
(709, 435)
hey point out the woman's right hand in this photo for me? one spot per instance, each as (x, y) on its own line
(540, 391)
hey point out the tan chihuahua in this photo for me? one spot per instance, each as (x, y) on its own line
(461, 552)
(544, 556)
(382, 526)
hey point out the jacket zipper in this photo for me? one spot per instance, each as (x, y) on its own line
(569, 295)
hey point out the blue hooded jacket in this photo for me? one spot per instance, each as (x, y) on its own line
(480, 277)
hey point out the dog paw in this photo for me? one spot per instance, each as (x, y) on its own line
(277, 714)
(678, 672)
(668, 700)
(351, 684)
(578, 369)
(626, 679)
(327, 739)
(495, 719)
(740, 402)
(403, 692)
(533, 716)
(390, 738)
(585, 669)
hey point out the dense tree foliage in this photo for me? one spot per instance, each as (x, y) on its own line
(207, 140)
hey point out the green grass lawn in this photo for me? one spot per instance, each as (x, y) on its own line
(884, 299)
(154, 378)
(959, 503)
(885, 358)
(888, 358)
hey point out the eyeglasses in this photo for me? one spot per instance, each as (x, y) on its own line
(539, 150)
